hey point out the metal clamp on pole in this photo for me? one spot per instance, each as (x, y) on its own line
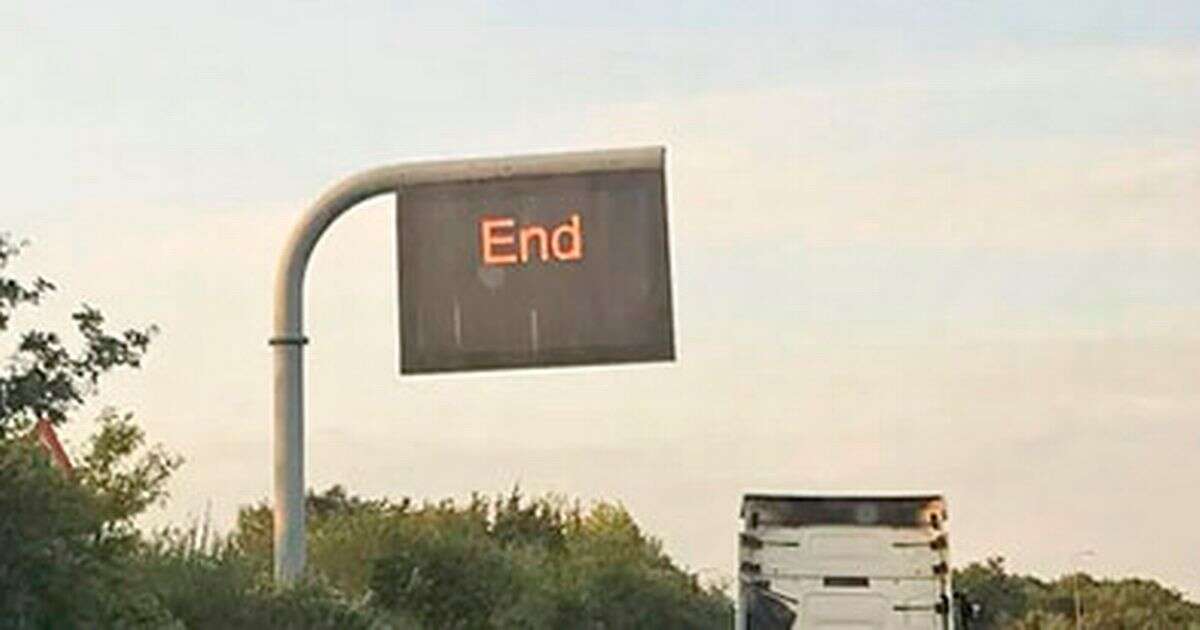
(288, 341)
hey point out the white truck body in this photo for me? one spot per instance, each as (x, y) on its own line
(844, 563)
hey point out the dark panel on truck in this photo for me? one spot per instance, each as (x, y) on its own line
(796, 511)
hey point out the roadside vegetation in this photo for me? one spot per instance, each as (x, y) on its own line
(71, 555)
(1011, 601)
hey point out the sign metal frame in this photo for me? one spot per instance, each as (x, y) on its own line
(288, 340)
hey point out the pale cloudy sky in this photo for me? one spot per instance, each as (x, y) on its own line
(931, 246)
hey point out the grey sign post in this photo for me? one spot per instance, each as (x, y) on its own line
(512, 262)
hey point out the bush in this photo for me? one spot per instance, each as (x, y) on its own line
(69, 560)
(207, 583)
(507, 563)
(1020, 602)
(445, 571)
(59, 564)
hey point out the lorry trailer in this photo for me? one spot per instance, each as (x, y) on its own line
(846, 562)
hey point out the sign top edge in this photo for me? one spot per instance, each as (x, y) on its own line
(571, 163)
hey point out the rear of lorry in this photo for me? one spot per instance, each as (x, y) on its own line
(843, 562)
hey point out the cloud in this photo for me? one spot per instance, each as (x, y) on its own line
(1021, 149)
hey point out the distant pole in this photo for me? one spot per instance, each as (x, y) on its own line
(1075, 585)
(1078, 616)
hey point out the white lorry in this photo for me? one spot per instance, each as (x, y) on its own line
(845, 562)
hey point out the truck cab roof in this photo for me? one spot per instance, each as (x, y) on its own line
(799, 510)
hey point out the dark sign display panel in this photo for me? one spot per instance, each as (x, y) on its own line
(534, 271)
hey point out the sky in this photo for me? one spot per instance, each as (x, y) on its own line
(945, 247)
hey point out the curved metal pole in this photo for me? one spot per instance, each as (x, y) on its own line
(288, 340)
(288, 346)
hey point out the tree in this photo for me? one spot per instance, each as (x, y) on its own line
(65, 542)
(1003, 598)
(70, 553)
(1021, 602)
(44, 379)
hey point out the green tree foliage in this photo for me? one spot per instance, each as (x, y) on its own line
(1017, 602)
(46, 523)
(205, 582)
(1002, 597)
(70, 555)
(506, 563)
(126, 475)
(67, 547)
(44, 378)
(65, 541)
